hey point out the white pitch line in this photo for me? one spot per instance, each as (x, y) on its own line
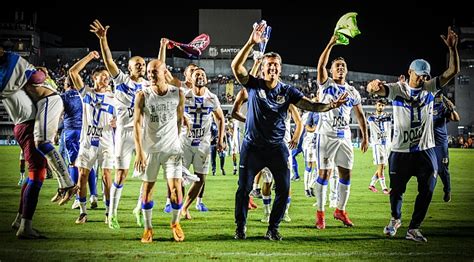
(234, 254)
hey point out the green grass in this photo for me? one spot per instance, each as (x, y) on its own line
(448, 226)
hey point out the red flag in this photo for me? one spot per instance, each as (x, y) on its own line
(194, 48)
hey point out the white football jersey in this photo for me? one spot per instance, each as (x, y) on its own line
(19, 107)
(380, 129)
(335, 122)
(198, 109)
(97, 112)
(125, 90)
(412, 115)
(160, 121)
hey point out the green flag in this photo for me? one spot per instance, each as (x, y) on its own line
(346, 27)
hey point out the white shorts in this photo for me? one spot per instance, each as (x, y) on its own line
(333, 151)
(380, 154)
(235, 146)
(310, 153)
(198, 157)
(94, 150)
(267, 175)
(49, 110)
(124, 147)
(171, 163)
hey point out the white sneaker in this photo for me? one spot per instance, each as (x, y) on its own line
(286, 218)
(76, 204)
(391, 229)
(93, 200)
(415, 235)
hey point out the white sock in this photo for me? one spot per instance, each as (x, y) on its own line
(344, 192)
(56, 162)
(168, 201)
(288, 202)
(305, 179)
(255, 186)
(198, 201)
(83, 207)
(373, 180)
(115, 195)
(382, 183)
(321, 192)
(147, 215)
(175, 215)
(312, 178)
(267, 202)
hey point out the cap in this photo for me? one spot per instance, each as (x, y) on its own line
(421, 67)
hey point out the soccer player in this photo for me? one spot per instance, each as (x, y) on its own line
(214, 153)
(263, 146)
(413, 140)
(334, 146)
(310, 154)
(49, 110)
(380, 125)
(17, 75)
(235, 143)
(126, 87)
(97, 138)
(199, 103)
(157, 124)
(71, 134)
(443, 112)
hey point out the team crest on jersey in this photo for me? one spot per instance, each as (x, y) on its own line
(280, 99)
(262, 94)
(326, 160)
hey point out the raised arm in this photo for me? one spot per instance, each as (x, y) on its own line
(140, 159)
(295, 115)
(323, 61)
(75, 70)
(101, 33)
(242, 96)
(256, 66)
(451, 41)
(308, 105)
(170, 79)
(363, 127)
(180, 110)
(238, 67)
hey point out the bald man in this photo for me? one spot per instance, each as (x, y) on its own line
(158, 112)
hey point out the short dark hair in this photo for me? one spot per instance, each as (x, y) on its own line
(338, 59)
(98, 70)
(272, 55)
(381, 101)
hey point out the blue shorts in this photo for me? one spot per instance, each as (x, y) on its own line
(71, 139)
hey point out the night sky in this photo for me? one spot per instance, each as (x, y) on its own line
(393, 33)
